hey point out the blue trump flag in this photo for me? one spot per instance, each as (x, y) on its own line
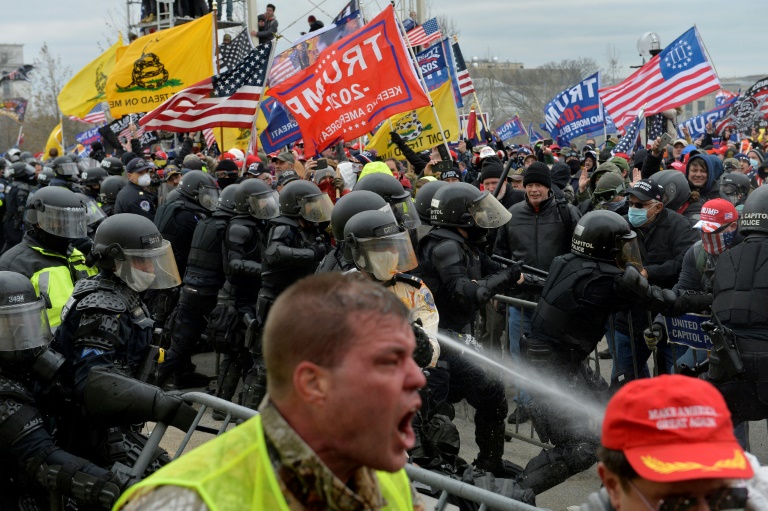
(533, 135)
(697, 125)
(575, 111)
(436, 63)
(510, 129)
(282, 129)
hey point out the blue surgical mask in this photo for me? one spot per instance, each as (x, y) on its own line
(754, 163)
(637, 217)
(614, 206)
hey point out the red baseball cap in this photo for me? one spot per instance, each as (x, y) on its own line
(674, 428)
(715, 214)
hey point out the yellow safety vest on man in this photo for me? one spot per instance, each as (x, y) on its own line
(233, 473)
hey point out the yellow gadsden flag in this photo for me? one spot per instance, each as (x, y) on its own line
(227, 138)
(157, 65)
(54, 140)
(86, 89)
(419, 127)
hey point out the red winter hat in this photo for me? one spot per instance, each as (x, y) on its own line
(251, 159)
(227, 156)
(674, 428)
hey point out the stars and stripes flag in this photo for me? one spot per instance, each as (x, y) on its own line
(234, 52)
(97, 115)
(723, 96)
(210, 138)
(426, 33)
(674, 77)
(20, 73)
(627, 143)
(466, 86)
(655, 126)
(126, 132)
(228, 99)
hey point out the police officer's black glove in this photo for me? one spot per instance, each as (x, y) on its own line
(514, 271)
(170, 409)
(633, 281)
(422, 355)
(692, 301)
(319, 250)
(84, 245)
(396, 138)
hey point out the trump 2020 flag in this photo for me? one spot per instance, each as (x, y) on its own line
(575, 111)
(510, 129)
(697, 125)
(674, 77)
(355, 84)
(281, 129)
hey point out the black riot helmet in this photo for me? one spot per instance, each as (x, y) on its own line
(58, 211)
(132, 247)
(754, 216)
(26, 157)
(734, 187)
(13, 154)
(93, 212)
(256, 198)
(424, 200)
(110, 187)
(24, 329)
(351, 204)
(93, 176)
(45, 176)
(201, 188)
(113, 166)
(304, 199)
(463, 205)
(379, 246)
(677, 190)
(227, 199)
(23, 172)
(390, 189)
(65, 168)
(605, 236)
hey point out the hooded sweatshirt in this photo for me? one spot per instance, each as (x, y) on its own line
(710, 190)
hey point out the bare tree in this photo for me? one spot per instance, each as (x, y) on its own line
(612, 56)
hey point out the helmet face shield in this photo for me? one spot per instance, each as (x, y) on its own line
(488, 212)
(24, 326)
(86, 163)
(93, 213)
(63, 222)
(385, 256)
(208, 197)
(264, 205)
(406, 214)
(629, 252)
(316, 208)
(153, 268)
(67, 169)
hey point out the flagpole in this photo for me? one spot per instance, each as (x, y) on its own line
(63, 144)
(701, 42)
(421, 79)
(258, 105)
(215, 13)
(18, 137)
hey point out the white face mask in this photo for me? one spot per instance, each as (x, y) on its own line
(383, 264)
(144, 180)
(140, 280)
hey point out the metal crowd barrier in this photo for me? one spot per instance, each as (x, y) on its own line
(234, 412)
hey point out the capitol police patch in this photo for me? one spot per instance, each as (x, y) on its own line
(144, 205)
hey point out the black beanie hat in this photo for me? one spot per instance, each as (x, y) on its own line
(491, 170)
(227, 166)
(538, 173)
(126, 157)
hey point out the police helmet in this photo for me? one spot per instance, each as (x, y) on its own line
(132, 247)
(58, 211)
(93, 176)
(304, 199)
(754, 216)
(23, 172)
(27, 157)
(379, 245)
(13, 154)
(93, 212)
(65, 168)
(677, 190)
(110, 187)
(463, 205)
(256, 198)
(200, 187)
(735, 187)
(24, 329)
(390, 189)
(608, 187)
(423, 200)
(45, 176)
(113, 166)
(227, 199)
(351, 204)
(605, 236)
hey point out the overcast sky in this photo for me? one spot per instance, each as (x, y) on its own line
(529, 31)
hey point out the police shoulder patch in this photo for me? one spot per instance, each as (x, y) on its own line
(144, 205)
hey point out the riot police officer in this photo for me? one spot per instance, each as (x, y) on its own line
(66, 172)
(423, 205)
(91, 179)
(396, 196)
(233, 324)
(113, 166)
(203, 278)
(105, 323)
(463, 278)
(340, 258)
(738, 363)
(583, 288)
(44, 177)
(135, 197)
(56, 217)
(110, 187)
(23, 177)
(27, 365)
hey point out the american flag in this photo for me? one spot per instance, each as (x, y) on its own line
(466, 86)
(229, 99)
(127, 132)
(425, 33)
(677, 75)
(627, 142)
(20, 73)
(95, 116)
(655, 126)
(286, 65)
(723, 96)
(231, 54)
(210, 138)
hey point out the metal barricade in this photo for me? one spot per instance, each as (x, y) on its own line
(446, 485)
